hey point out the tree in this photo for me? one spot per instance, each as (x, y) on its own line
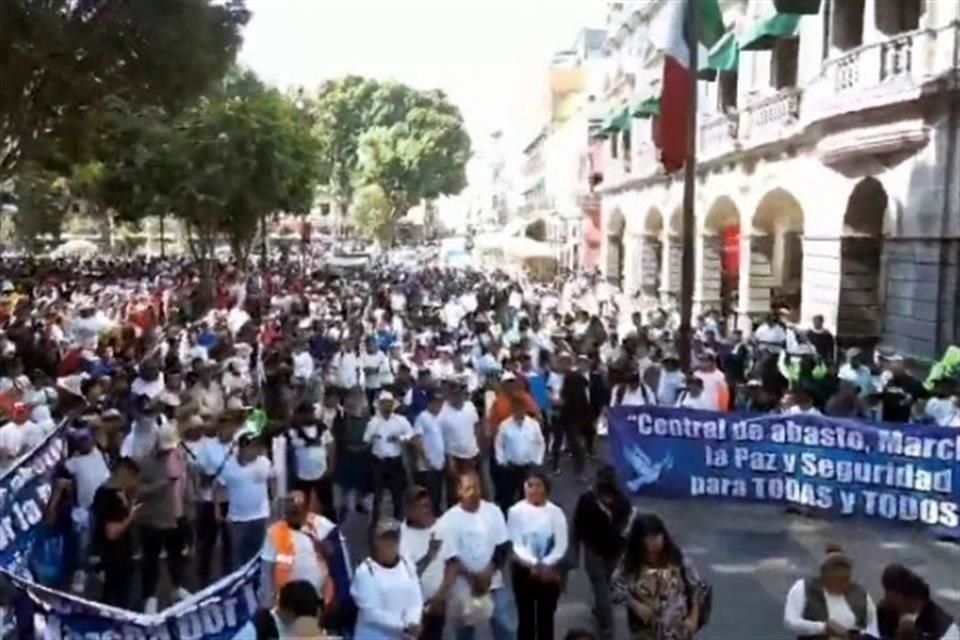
(43, 203)
(421, 158)
(411, 143)
(372, 213)
(62, 60)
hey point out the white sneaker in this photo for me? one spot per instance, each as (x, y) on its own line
(181, 594)
(150, 606)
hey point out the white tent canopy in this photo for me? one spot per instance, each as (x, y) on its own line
(524, 247)
(75, 248)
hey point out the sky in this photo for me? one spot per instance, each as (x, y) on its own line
(489, 56)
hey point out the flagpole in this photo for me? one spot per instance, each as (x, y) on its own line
(689, 187)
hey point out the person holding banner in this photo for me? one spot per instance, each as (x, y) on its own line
(831, 605)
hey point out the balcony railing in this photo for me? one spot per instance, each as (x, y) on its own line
(718, 135)
(771, 117)
(880, 62)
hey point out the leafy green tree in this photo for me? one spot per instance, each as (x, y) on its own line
(411, 143)
(62, 60)
(43, 203)
(372, 213)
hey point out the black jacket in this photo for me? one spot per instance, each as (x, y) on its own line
(600, 531)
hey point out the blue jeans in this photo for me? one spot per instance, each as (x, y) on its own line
(504, 620)
(246, 540)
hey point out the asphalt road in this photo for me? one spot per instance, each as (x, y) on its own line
(752, 554)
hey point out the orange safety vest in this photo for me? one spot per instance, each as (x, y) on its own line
(281, 537)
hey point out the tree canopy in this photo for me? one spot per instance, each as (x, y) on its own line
(411, 144)
(62, 60)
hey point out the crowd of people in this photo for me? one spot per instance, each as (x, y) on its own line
(207, 429)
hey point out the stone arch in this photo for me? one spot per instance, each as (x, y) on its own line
(672, 257)
(776, 254)
(861, 263)
(651, 259)
(615, 232)
(720, 258)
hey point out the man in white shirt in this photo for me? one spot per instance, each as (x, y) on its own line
(693, 397)
(770, 336)
(373, 361)
(474, 534)
(345, 369)
(459, 422)
(422, 546)
(247, 478)
(313, 452)
(518, 446)
(431, 456)
(387, 432)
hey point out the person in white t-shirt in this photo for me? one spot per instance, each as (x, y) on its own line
(88, 469)
(538, 533)
(344, 369)
(715, 390)
(247, 478)
(313, 454)
(459, 422)
(474, 534)
(431, 455)
(693, 397)
(386, 590)
(373, 361)
(421, 545)
(213, 451)
(387, 433)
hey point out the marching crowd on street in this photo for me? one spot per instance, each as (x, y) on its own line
(210, 428)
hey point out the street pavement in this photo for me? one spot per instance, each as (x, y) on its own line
(752, 554)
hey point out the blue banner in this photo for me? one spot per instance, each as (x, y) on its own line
(901, 473)
(218, 612)
(25, 490)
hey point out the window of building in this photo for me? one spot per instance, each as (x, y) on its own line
(614, 139)
(898, 16)
(727, 91)
(784, 62)
(324, 208)
(846, 24)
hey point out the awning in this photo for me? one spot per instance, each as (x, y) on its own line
(618, 120)
(762, 35)
(725, 55)
(646, 103)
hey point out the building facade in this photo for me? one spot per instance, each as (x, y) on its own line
(827, 177)
(551, 182)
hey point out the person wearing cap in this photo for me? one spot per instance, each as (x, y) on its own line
(215, 448)
(248, 480)
(511, 390)
(386, 590)
(518, 447)
(294, 550)
(693, 397)
(830, 605)
(157, 521)
(431, 456)
(141, 442)
(387, 433)
(88, 471)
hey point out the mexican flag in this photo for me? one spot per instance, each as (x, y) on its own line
(671, 33)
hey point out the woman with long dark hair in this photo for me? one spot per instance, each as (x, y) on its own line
(661, 589)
